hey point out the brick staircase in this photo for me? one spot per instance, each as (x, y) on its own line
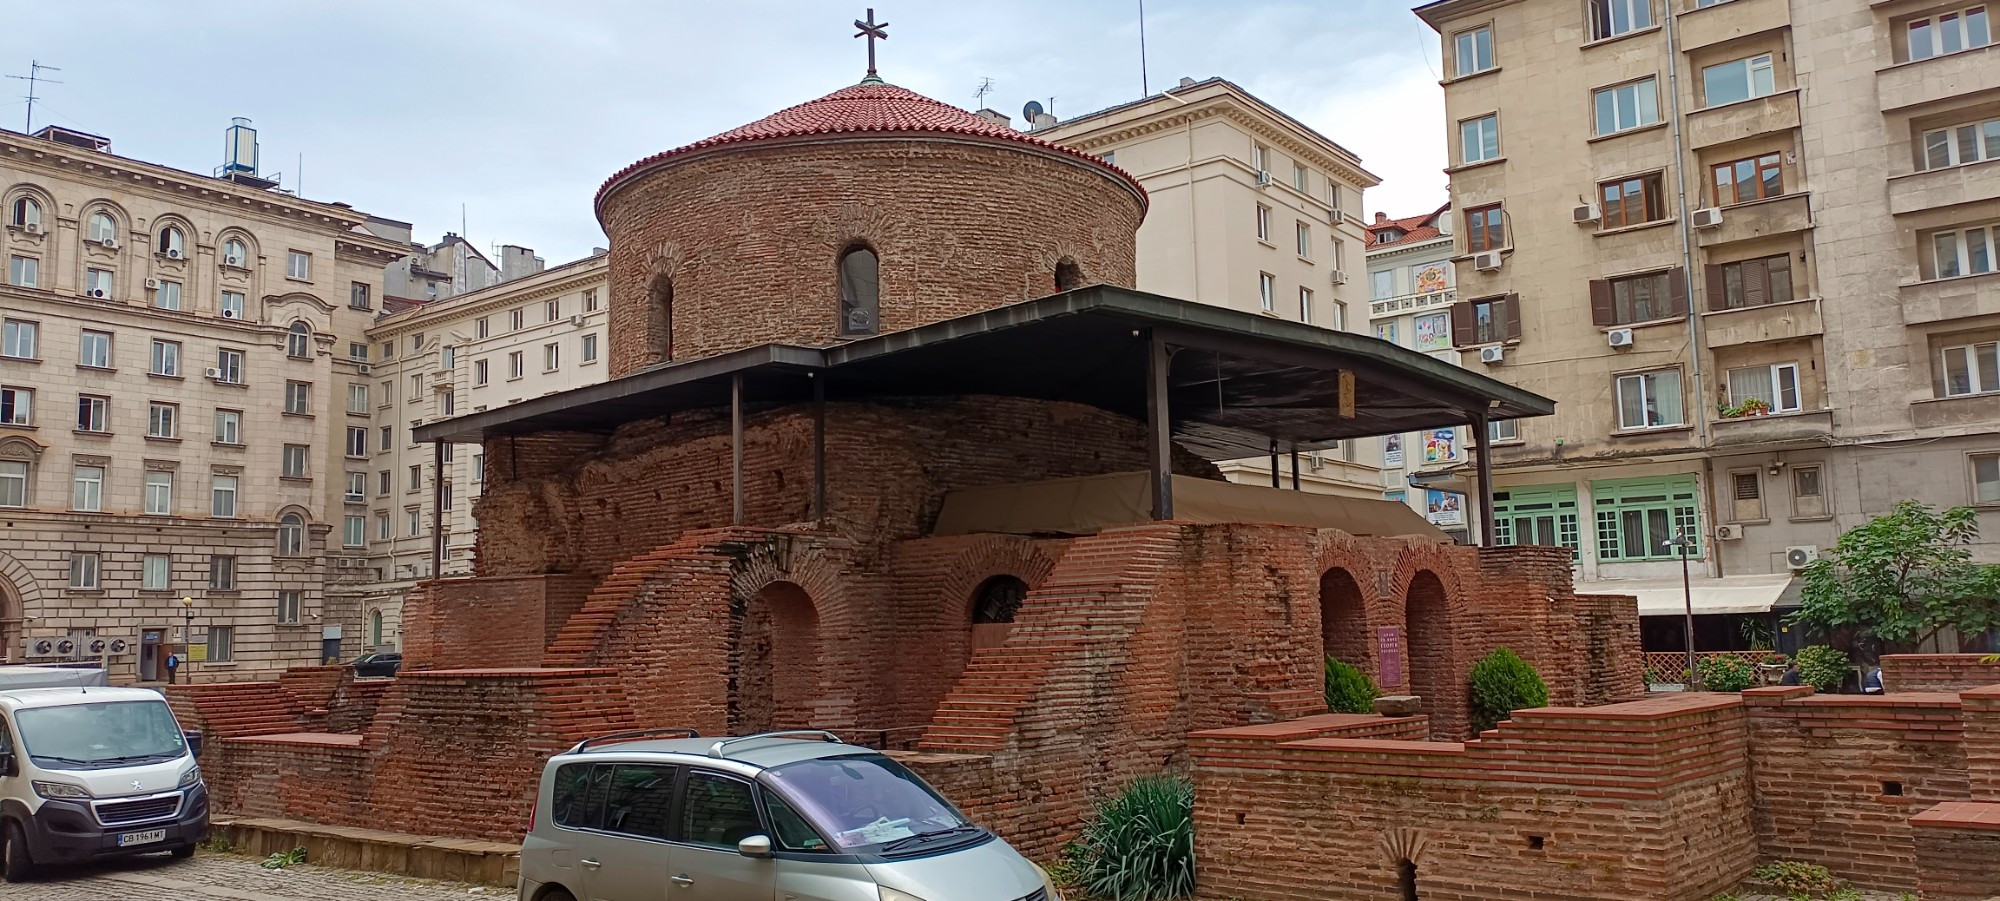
(583, 635)
(1081, 617)
(239, 709)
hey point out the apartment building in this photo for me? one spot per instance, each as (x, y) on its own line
(537, 333)
(1749, 248)
(171, 367)
(1250, 209)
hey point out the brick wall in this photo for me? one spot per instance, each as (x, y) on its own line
(1937, 672)
(1981, 707)
(1550, 805)
(450, 622)
(1958, 851)
(751, 238)
(1609, 629)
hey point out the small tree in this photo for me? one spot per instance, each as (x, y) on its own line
(1822, 667)
(1903, 578)
(1502, 683)
(1726, 673)
(1348, 689)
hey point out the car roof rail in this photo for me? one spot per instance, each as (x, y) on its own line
(677, 731)
(715, 750)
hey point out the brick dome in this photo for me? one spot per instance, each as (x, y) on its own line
(756, 235)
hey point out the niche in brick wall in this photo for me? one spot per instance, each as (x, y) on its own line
(1427, 618)
(1343, 619)
(774, 664)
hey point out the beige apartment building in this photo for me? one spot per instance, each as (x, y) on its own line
(1252, 210)
(1749, 247)
(172, 376)
(537, 333)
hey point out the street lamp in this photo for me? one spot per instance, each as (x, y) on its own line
(187, 633)
(1682, 541)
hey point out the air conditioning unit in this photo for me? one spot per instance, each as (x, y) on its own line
(152, 284)
(32, 228)
(1488, 262)
(1708, 218)
(41, 647)
(173, 253)
(1339, 277)
(109, 243)
(97, 293)
(232, 261)
(1263, 178)
(1801, 556)
(363, 367)
(1491, 355)
(1619, 337)
(576, 320)
(212, 373)
(1336, 217)
(1585, 214)
(231, 314)
(1728, 531)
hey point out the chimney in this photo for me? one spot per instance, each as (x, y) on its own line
(1187, 82)
(516, 261)
(996, 117)
(1381, 217)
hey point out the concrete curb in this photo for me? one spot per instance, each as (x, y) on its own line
(420, 856)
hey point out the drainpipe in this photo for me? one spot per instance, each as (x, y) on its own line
(1686, 230)
(1195, 258)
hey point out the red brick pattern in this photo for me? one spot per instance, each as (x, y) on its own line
(1958, 851)
(1937, 672)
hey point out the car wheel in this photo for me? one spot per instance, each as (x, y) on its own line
(15, 864)
(556, 894)
(183, 852)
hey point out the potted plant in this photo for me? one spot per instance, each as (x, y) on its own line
(1750, 407)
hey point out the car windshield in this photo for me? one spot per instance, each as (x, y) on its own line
(864, 800)
(92, 736)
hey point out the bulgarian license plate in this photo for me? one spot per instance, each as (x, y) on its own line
(128, 839)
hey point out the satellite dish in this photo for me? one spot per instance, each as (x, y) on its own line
(1031, 111)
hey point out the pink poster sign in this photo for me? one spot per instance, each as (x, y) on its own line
(1389, 650)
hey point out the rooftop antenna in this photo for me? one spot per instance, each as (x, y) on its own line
(33, 77)
(1145, 85)
(979, 93)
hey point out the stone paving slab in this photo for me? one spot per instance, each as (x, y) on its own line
(229, 877)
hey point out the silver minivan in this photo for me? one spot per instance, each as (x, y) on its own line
(781, 815)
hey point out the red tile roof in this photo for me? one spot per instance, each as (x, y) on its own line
(1414, 228)
(868, 108)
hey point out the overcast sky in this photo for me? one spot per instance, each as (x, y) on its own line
(518, 109)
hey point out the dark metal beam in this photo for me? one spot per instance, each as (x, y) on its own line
(1274, 462)
(819, 445)
(1159, 427)
(437, 509)
(736, 449)
(1295, 466)
(1483, 442)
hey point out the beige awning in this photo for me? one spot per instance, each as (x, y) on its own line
(1086, 505)
(1666, 597)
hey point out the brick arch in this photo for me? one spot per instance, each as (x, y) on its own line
(1343, 619)
(1339, 552)
(785, 594)
(1428, 634)
(941, 583)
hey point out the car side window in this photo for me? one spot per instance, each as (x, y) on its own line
(573, 803)
(718, 811)
(640, 800)
(793, 832)
(6, 737)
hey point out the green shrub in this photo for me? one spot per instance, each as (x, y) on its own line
(1502, 683)
(1794, 876)
(1348, 689)
(1822, 667)
(1727, 673)
(1140, 846)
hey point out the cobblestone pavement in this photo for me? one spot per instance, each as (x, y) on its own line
(229, 877)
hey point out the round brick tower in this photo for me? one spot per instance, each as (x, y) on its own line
(872, 209)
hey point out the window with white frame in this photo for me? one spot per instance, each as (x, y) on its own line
(228, 427)
(292, 460)
(14, 483)
(291, 535)
(1301, 177)
(383, 483)
(159, 493)
(235, 253)
(1985, 478)
(83, 570)
(1952, 32)
(1267, 291)
(1611, 18)
(1971, 369)
(289, 602)
(478, 468)
(388, 435)
(516, 318)
(479, 376)
(1959, 145)
(156, 572)
(357, 296)
(17, 405)
(1305, 305)
(93, 413)
(1968, 251)
(552, 309)
(1777, 385)
(229, 366)
(516, 365)
(94, 350)
(357, 398)
(298, 398)
(1628, 106)
(416, 518)
(1382, 284)
(298, 265)
(587, 348)
(1304, 240)
(298, 341)
(416, 386)
(353, 531)
(416, 481)
(24, 272)
(481, 327)
(1650, 400)
(165, 359)
(1500, 430)
(163, 420)
(357, 352)
(19, 339)
(221, 644)
(25, 213)
(88, 488)
(357, 488)
(1259, 155)
(98, 283)
(167, 296)
(1473, 51)
(222, 496)
(102, 229)
(231, 305)
(1479, 139)
(221, 572)
(551, 356)
(1738, 80)
(1263, 222)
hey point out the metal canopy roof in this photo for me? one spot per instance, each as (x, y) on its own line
(1238, 381)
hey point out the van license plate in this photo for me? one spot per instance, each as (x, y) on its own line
(128, 839)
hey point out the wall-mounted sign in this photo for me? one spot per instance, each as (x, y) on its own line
(1432, 333)
(1392, 450)
(1444, 508)
(1440, 445)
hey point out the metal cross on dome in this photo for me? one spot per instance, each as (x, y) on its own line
(873, 31)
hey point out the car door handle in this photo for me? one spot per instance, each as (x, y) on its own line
(683, 880)
(590, 863)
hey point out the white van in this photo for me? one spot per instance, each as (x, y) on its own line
(87, 773)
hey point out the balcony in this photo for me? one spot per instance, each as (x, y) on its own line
(1939, 78)
(1755, 325)
(1736, 121)
(1776, 428)
(1972, 409)
(1940, 188)
(1712, 25)
(1411, 303)
(1758, 219)
(1944, 299)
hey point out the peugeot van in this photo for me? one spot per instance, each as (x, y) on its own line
(796, 815)
(88, 773)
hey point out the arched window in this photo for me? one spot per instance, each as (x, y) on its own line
(997, 600)
(374, 628)
(291, 535)
(103, 229)
(234, 253)
(27, 212)
(1069, 276)
(860, 292)
(660, 319)
(173, 242)
(298, 341)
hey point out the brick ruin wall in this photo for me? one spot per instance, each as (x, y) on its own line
(1938, 672)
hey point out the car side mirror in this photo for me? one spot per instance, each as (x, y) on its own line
(757, 846)
(7, 767)
(193, 743)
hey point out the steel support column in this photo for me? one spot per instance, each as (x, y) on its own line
(819, 446)
(437, 509)
(736, 449)
(1295, 466)
(1483, 442)
(1159, 427)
